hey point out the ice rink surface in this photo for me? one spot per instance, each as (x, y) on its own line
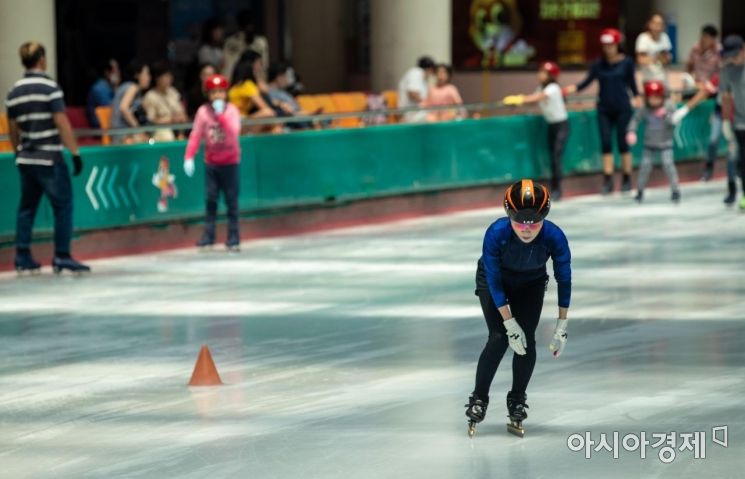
(350, 354)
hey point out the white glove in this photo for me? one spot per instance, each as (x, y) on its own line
(189, 167)
(516, 336)
(727, 131)
(679, 114)
(560, 338)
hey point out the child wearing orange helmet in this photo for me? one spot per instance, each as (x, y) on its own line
(511, 281)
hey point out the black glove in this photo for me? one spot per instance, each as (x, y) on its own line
(77, 165)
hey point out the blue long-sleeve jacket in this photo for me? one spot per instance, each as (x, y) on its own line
(506, 258)
(615, 80)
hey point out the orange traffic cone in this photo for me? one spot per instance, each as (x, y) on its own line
(205, 372)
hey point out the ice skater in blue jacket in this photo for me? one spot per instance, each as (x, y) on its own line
(511, 281)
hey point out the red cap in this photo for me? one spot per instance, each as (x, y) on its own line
(216, 82)
(551, 68)
(610, 36)
(654, 88)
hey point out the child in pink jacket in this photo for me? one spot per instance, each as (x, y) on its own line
(218, 123)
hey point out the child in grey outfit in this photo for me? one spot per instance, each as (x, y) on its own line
(657, 113)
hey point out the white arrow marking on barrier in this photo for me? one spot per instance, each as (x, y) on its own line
(99, 188)
(112, 192)
(130, 184)
(89, 188)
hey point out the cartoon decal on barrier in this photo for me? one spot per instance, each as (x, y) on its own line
(165, 181)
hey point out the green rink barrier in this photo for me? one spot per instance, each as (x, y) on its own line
(141, 184)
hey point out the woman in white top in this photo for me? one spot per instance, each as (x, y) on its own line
(551, 101)
(653, 50)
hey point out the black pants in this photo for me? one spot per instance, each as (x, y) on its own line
(740, 134)
(223, 179)
(558, 134)
(526, 304)
(607, 120)
(53, 181)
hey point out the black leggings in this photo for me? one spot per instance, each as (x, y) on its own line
(526, 303)
(606, 121)
(740, 135)
(558, 134)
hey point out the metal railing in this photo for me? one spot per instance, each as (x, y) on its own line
(470, 108)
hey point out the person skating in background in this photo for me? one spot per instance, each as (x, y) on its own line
(511, 281)
(703, 65)
(708, 90)
(732, 85)
(614, 73)
(551, 101)
(218, 124)
(38, 129)
(659, 117)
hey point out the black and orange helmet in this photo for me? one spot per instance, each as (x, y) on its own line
(527, 202)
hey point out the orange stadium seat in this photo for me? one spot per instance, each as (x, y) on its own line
(5, 145)
(104, 118)
(349, 103)
(308, 103)
(327, 104)
(391, 102)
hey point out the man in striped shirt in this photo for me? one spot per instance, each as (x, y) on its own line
(38, 128)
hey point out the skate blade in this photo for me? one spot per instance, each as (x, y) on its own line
(77, 274)
(518, 431)
(28, 272)
(471, 428)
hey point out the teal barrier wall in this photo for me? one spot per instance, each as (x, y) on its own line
(137, 184)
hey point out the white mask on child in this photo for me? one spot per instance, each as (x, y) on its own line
(219, 106)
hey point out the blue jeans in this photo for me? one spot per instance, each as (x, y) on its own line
(53, 181)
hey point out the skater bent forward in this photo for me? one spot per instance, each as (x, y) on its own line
(511, 281)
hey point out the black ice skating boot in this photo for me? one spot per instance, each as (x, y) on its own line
(516, 411)
(25, 263)
(607, 184)
(626, 183)
(234, 241)
(639, 198)
(475, 411)
(675, 197)
(62, 263)
(708, 172)
(206, 242)
(731, 193)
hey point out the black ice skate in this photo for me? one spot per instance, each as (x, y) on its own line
(516, 407)
(25, 263)
(607, 185)
(67, 263)
(475, 412)
(233, 244)
(639, 198)
(675, 197)
(708, 172)
(729, 200)
(206, 243)
(626, 183)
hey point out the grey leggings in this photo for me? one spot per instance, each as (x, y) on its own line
(667, 164)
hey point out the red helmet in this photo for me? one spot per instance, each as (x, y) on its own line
(527, 202)
(610, 36)
(654, 88)
(551, 68)
(216, 82)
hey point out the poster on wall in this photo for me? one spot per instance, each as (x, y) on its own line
(491, 34)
